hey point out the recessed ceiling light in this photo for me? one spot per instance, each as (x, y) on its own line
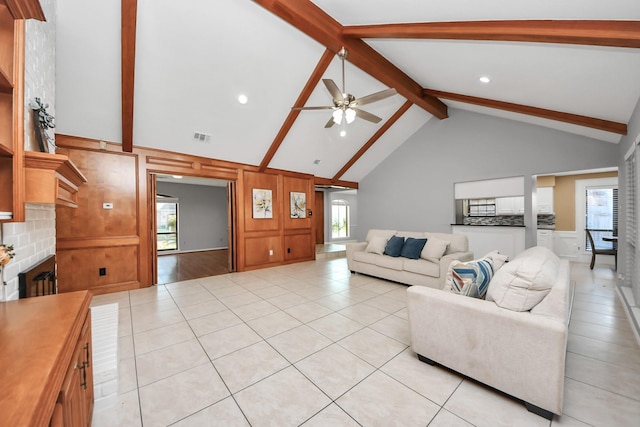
(343, 133)
(485, 79)
(242, 99)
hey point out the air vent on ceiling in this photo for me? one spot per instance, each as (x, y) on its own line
(202, 137)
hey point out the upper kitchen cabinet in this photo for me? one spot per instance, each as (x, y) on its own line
(510, 205)
(545, 200)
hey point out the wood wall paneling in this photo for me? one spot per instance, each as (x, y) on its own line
(299, 246)
(258, 250)
(263, 181)
(298, 185)
(78, 269)
(112, 178)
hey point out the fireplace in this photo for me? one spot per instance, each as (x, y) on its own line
(39, 279)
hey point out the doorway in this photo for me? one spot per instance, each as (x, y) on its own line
(193, 227)
(319, 221)
(597, 210)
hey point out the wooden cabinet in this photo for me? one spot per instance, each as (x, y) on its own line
(46, 356)
(12, 16)
(76, 396)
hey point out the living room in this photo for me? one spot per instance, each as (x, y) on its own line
(405, 178)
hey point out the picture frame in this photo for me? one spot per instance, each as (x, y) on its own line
(298, 204)
(262, 202)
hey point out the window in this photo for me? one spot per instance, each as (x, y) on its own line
(167, 225)
(339, 219)
(601, 215)
(480, 207)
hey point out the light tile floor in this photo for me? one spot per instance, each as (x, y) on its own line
(311, 344)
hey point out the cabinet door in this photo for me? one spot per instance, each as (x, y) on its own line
(505, 206)
(545, 200)
(72, 396)
(76, 395)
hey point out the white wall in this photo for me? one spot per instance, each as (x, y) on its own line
(413, 188)
(34, 239)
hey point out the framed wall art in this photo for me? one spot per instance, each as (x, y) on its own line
(262, 204)
(298, 205)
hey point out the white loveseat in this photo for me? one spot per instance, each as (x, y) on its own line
(426, 272)
(521, 353)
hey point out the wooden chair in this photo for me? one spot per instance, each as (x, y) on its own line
(595, 251)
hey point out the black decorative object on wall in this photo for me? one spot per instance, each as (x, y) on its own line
(42, 121)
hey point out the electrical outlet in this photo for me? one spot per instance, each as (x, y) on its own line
(270, 252)
(102, 271)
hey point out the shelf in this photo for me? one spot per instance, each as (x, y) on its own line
(51, 178)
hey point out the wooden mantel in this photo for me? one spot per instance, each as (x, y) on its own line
(51, 178)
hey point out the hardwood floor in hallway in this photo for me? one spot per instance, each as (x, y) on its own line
(191, 265)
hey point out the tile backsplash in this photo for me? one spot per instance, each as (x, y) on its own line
(511, 220)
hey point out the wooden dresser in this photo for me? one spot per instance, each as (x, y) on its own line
(45, 361)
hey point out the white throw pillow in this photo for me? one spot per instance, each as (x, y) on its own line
(434, 249)
(522, 283)
(376, 245)
(497, 258)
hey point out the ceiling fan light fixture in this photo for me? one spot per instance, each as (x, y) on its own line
(243, 99)
(343, 133)
(350, 115)
(337, 116)
(485, 79)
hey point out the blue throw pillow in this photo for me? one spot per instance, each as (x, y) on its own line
(394, 246)
(412, 248)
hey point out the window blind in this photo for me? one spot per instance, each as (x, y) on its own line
(631, 210)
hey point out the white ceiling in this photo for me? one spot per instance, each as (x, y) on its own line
(194, 57)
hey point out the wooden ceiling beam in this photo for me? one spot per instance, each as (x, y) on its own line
(595, 33)
(25, 9)
(129, 12)
(312, 82)
(575, 119)
(314, 22)
(328, 182)
(403, 109)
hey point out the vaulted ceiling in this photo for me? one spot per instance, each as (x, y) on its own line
(570, 65)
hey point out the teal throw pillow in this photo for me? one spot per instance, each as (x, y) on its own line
(412, 248)
(394, 246)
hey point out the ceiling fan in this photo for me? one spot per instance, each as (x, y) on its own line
(346, 106)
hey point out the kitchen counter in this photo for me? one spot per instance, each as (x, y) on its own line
(487, 225)
(508, 239)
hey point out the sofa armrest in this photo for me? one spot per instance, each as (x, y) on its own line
(519, 353)
(351, 248)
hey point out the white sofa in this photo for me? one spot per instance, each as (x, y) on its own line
(521, 353)
(403, 270)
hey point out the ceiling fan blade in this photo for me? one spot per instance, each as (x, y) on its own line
(330, 123)
(334, 91)
(367, 116)
(378, 96)
(313, 108)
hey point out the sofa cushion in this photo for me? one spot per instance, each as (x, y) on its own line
(414, 234)
(377, 245)
(434, 249)
(412, 248)
(422, 266)
(470, 278)
(394, 246)
(379, 233)
(522, 283)
(457, 242)
(365, 257)
(389, 262)
(498, 259)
